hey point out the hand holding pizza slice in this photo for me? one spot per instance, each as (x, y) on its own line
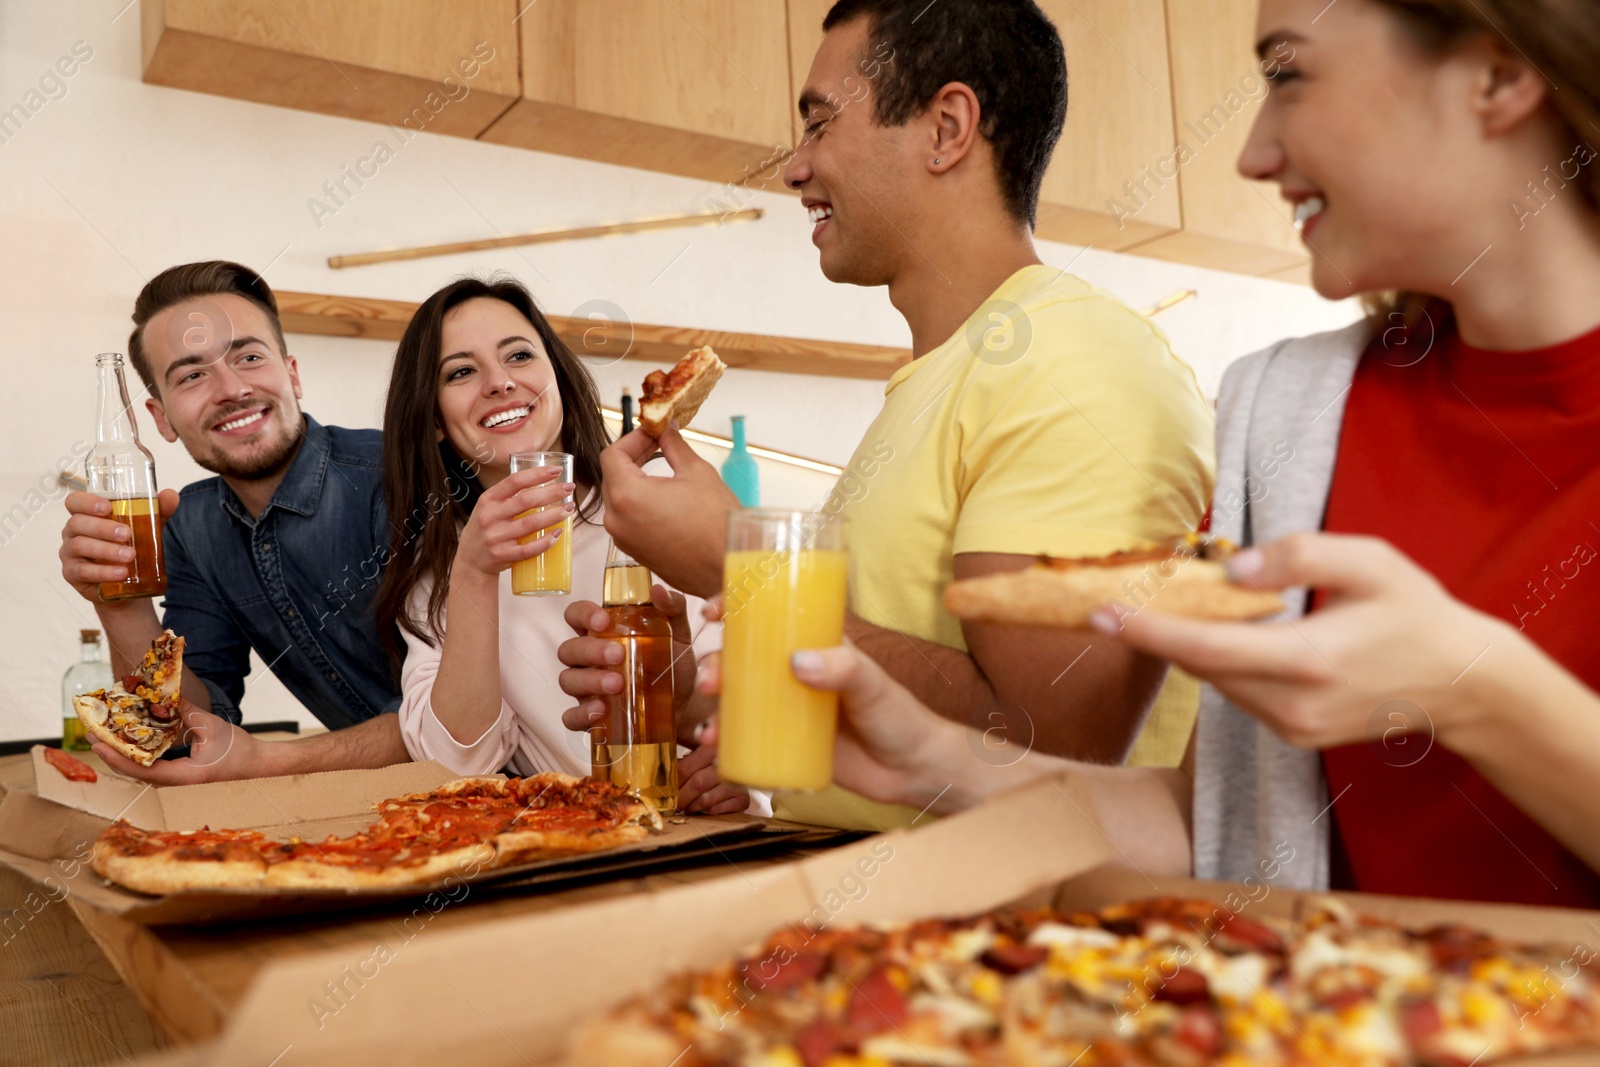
(138, 716)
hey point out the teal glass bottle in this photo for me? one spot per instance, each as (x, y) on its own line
(739, 470)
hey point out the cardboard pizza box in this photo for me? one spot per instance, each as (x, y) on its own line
(512, 991)
(48, 834)
(509, 991)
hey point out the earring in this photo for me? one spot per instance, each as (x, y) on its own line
(936, 161)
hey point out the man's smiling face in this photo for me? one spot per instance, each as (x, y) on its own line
(226, 388)
(853, 175)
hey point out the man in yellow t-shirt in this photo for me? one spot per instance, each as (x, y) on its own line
(1058, 422)
(1039, 415)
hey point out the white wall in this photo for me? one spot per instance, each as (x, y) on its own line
(115, 180)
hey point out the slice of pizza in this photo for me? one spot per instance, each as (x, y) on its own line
(560, 815)
(1189, 579)
(679, 392)
(138, 716)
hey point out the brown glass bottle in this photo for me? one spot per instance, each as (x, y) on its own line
(635, 745)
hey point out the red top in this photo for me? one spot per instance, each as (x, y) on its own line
(1483, 467)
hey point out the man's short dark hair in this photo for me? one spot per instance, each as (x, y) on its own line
(1007, 51)
(186, 282)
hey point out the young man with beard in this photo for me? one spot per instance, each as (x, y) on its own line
(261, 556)
(1039, 415)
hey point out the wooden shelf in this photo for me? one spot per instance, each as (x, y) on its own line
(385, 320)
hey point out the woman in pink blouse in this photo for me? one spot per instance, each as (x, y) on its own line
(480, 375)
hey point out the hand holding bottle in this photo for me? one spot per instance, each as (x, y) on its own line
(97, 547)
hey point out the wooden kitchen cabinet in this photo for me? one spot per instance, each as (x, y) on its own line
(692, 87)
(706, 89)
(1099, 190)
(1228, 223)
(391, 61)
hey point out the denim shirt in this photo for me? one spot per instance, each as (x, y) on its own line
(295, 584)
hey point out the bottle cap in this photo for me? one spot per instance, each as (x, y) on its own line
(89, 637)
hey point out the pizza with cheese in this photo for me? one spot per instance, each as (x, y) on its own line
(677, 394)
(1157, 983)
(461, 828)
(138, 716)
(1189, 579)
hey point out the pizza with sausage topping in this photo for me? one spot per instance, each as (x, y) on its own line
(1157, 983)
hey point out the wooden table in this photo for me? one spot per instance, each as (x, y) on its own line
(191, 979)
(61, 1001)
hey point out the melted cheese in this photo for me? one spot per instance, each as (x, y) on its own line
(1238, 979)
(955, 1013)
(1319, 951)
(1060, 935)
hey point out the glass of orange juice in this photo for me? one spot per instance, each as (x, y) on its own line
(784, 583)
(550, 572)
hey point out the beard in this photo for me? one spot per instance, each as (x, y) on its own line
(262, 459)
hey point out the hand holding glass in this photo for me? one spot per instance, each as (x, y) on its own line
(550, 572)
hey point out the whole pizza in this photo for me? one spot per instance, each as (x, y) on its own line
(1166, 982)
(462, 828)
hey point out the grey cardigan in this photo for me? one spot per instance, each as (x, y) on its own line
(1260, 805)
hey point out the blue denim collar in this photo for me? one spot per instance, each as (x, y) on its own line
(301, 488)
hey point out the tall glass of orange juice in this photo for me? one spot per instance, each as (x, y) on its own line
(784, 582)
(550, 572)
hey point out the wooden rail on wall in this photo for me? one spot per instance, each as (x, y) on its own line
(385, 320)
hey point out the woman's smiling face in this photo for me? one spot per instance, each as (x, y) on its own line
(497, 386)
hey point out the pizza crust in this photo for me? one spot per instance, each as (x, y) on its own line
(1045, 597)
(705, 369)
(310, 872)
(526, 846)
(163, 873)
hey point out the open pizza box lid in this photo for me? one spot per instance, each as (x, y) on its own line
(512, 990)
(48, 835)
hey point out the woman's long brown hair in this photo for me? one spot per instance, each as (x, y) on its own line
(431, 489)
(1561, 38)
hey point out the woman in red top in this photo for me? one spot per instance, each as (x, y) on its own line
(1440, 149)
(1444, 149)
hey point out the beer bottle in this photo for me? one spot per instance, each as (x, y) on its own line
(122, 470)
(635, 745)
(89, 674)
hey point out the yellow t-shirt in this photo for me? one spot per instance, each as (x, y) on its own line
(1056, 421)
